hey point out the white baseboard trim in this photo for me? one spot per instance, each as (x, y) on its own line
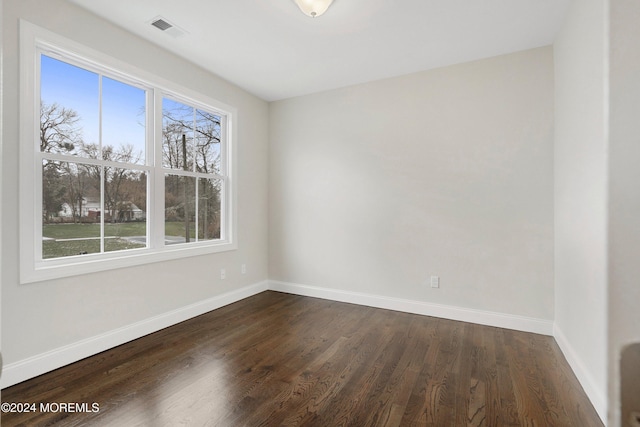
(489, 318)
(595, 394)
(31, 367)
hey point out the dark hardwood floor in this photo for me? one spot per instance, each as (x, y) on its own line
(277, 359)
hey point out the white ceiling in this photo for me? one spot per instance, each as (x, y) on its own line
(272, 50)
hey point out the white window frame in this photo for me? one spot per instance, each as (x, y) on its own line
(33, 41)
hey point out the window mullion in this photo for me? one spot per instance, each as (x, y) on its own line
(192, 174)
(102, 212)
(103, 168)
(196, 200)
(196, 207)
(157, 182)
(150, 161)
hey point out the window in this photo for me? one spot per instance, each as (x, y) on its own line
(118, 166)
(191, 153)
(92, 141)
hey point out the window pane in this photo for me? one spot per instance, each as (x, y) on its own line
(179, 209)
(69, 108)
(207, 142)
(125, 203)
(70, 209)
(209, 209)
(177, 135)
(123, 121)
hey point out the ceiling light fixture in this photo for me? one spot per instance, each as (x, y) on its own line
(313, 8)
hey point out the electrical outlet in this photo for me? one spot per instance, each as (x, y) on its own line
(223, 273)
(243, 268)
(435, 282)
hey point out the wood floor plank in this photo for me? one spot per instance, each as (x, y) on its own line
(488, 371)
(276, 359)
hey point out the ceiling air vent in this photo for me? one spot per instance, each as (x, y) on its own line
(166, 26)
(161, 24)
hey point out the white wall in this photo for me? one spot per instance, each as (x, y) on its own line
(46, 316)
(447, 172)
(624, 188)
(580, 186)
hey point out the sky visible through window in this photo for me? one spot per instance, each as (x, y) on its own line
(123, 105)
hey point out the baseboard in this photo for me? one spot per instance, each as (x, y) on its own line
(31, 367)
(22, 370)
(489, 318)
(595, 394)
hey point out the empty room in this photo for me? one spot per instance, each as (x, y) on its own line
(317, 212)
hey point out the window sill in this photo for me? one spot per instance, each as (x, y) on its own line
(86, 264)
